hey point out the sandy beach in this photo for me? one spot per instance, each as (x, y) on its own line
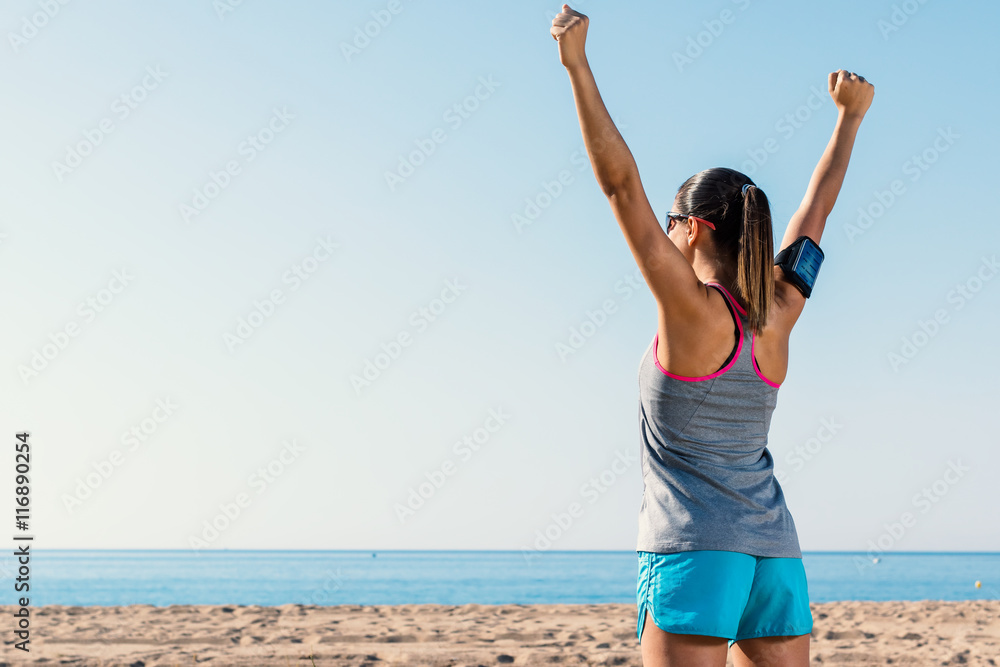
(845, 633)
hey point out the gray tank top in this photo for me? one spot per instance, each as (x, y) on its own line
(708, 477)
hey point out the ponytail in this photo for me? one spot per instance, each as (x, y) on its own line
(755, 258)
(743, 235)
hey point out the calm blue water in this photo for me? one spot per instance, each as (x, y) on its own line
(449, 577)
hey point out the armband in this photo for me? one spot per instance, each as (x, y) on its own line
(801, 261)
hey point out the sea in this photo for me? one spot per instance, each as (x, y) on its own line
(234, 577)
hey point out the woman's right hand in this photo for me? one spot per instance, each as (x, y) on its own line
(851, 93)
(569, 28)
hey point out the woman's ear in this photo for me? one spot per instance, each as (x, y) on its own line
(694, 229)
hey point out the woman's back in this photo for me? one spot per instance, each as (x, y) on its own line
(707, 474)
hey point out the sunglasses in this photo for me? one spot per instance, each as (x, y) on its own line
(674, 218)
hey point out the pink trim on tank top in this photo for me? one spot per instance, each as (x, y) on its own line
(752, 340)
(739, 346)
(756, 368)
(733, 300)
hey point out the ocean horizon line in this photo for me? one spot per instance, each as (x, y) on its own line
(879, 553)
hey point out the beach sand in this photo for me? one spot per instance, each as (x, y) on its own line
(845, 633)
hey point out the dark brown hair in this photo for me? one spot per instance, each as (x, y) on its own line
(742, 232)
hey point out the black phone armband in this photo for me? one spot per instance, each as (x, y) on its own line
(801, 261)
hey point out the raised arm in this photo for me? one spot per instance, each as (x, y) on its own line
(668, 274)
(853, 96)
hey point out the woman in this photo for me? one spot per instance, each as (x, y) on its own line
(719, 558)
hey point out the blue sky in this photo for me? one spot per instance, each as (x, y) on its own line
(155, 412)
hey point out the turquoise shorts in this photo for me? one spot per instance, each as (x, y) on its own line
(723, 594)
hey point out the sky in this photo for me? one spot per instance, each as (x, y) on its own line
(304, 275)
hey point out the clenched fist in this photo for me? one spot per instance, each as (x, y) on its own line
(850, 92)
(569, 28)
